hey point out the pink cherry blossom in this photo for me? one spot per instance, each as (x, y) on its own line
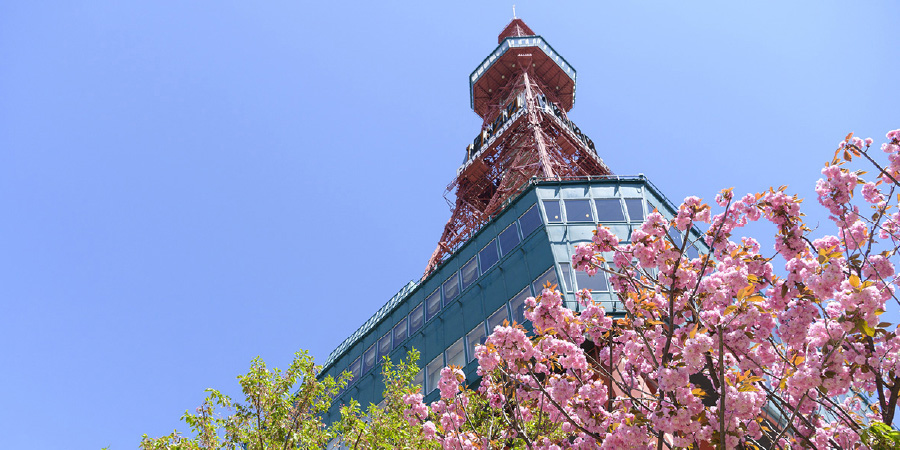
(700, 346)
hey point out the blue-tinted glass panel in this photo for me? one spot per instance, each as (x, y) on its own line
(593, 283)
(609, 210)
(676, 237)
(497, 318)
(456, 354)
(517, 305)
(509, 238)
(354, 371)
(530, 221)
(488, 256)
(416, 319)
(548, 276)
(369, 358)
(451, 288)
(433, 373)
(566, 270)
(399, 332)
(552, 209)
(419, 379)
(433, 304)
(384, 345)
(635, 209)
(692, 252)
(579, 211)
(469, 273)
(475, 337)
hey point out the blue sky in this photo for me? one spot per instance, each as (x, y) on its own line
(186, 185)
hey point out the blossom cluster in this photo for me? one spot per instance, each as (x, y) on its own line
(738, 345)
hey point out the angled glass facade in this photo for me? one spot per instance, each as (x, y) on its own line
(486, 281)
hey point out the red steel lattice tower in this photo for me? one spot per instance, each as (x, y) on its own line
(523, 91)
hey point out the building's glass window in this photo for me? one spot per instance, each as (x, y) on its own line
(547, 277)
(517, 305)
(355, 371)
(509, 238)
(497, 318)
(552, 209)
(476, 336)
(692, 252)
(456, 354)
(451, 288)
(675, 236)
(530, 221)
(419, 379)
(416, 319)
(609, 210)
(579, 211)
(635, 209)
(469, 272)
(399, 332)
(566, 270)
(651, 207)
(592, 283)
(369, 358)
(488, 256)
(384, 344)
(433, 304)
(433, 373)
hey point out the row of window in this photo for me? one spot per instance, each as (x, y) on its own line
(462, 351)
(576, 280)
(449, 290)
(604, 210)
(596, 210)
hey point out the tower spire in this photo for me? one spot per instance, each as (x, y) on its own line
(523, 91)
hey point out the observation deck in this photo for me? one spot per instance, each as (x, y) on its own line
(493, 74)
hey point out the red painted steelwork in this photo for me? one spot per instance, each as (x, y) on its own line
(489, 88)
(515, 28)
(536, 143)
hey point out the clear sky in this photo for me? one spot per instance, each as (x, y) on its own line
(186, 185)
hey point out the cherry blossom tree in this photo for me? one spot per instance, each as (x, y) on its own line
(736, 348)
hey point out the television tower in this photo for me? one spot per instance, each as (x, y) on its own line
(523, 91)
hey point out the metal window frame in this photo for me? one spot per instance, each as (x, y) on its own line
(514, 224)
(621, 207)
(444, 299)
(643, 201)
(443, 364)
(546, 217)
(481, 268)
(440, 298)
(512, 311)
(539, 218)
(471, 356)
(447, 357)
(591, 208)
